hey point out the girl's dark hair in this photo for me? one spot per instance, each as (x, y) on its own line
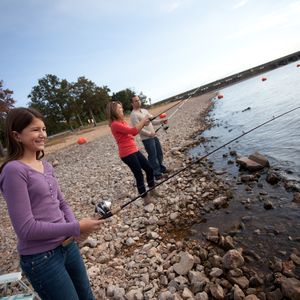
(16, 120)
(111, 111)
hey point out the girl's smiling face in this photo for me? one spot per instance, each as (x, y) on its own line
(33, 136)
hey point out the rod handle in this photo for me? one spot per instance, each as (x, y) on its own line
(115, 210)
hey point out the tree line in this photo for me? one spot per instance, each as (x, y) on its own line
(66, 105)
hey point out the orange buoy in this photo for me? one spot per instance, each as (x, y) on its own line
(220, 96)
(163, 115)
(81, 140)
(264, 78)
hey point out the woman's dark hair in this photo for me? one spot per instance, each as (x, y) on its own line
(111, 111)
(16, 120)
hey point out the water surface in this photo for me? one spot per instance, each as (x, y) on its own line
(274, 232)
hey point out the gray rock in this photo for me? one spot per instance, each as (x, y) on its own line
(217, 291)
(274, 295)
(260, 159)
(251, 297)
(220, 201)
(187, 294)
(242, 281)
(249, 164)
(296, 197)
(166, 295)
(238, 294)
(216, 272)
(232, 259)
(295, 258)
(195, 276)
(130, 241)
(201, 296)
(185, 264)
(290, 288)
(213, 234)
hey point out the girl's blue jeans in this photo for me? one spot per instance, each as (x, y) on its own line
(58, 274)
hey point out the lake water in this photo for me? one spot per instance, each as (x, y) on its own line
(274, 232)
(280, 139)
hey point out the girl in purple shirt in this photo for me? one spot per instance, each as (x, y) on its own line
(43, 221)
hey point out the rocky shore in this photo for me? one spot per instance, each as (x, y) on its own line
(143, 252)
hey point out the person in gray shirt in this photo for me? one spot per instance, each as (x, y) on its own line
(148, 136)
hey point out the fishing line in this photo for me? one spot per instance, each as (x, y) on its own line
(182, 102)
(232, 72)
(103, 207)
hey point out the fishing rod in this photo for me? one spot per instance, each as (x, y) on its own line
(184, 101)
(103, 207)
(194, 92)
(164, 111)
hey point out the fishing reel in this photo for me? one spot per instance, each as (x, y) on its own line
(103, 209)
(165, 127)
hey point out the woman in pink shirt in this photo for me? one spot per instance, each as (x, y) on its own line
(128, 150)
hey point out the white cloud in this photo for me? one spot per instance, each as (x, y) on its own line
(286, 17)
(92, 9)
(172, 5)
(240, 3)
(98, 8)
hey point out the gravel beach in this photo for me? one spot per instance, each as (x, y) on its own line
(142, 253)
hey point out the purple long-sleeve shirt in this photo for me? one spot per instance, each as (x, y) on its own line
(39, 214)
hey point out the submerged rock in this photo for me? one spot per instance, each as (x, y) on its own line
(249, 164)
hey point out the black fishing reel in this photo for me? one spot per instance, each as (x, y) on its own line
(103, 209)
(165, 127)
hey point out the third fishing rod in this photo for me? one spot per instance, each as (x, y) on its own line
(180, 103)
(103, 207)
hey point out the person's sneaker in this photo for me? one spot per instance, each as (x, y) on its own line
(161, 176)
(148, 199)
(158, 177)
(155, 193)
(167, 171)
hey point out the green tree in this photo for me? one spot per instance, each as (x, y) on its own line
(52, 98)
(124, 96)
(102, 97)
(83, 94)
(143, 99)
(6, 103)
(91, 99)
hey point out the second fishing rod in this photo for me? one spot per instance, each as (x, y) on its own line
(103, 208)
(164, 115)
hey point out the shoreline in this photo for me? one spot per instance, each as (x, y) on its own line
(141, 253)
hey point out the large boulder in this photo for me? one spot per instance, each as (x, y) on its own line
(249, 164)
(260, 159)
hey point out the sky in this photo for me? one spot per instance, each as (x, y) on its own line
(158, 47)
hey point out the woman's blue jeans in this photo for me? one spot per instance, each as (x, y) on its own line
(138, 162)
(58, 274)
